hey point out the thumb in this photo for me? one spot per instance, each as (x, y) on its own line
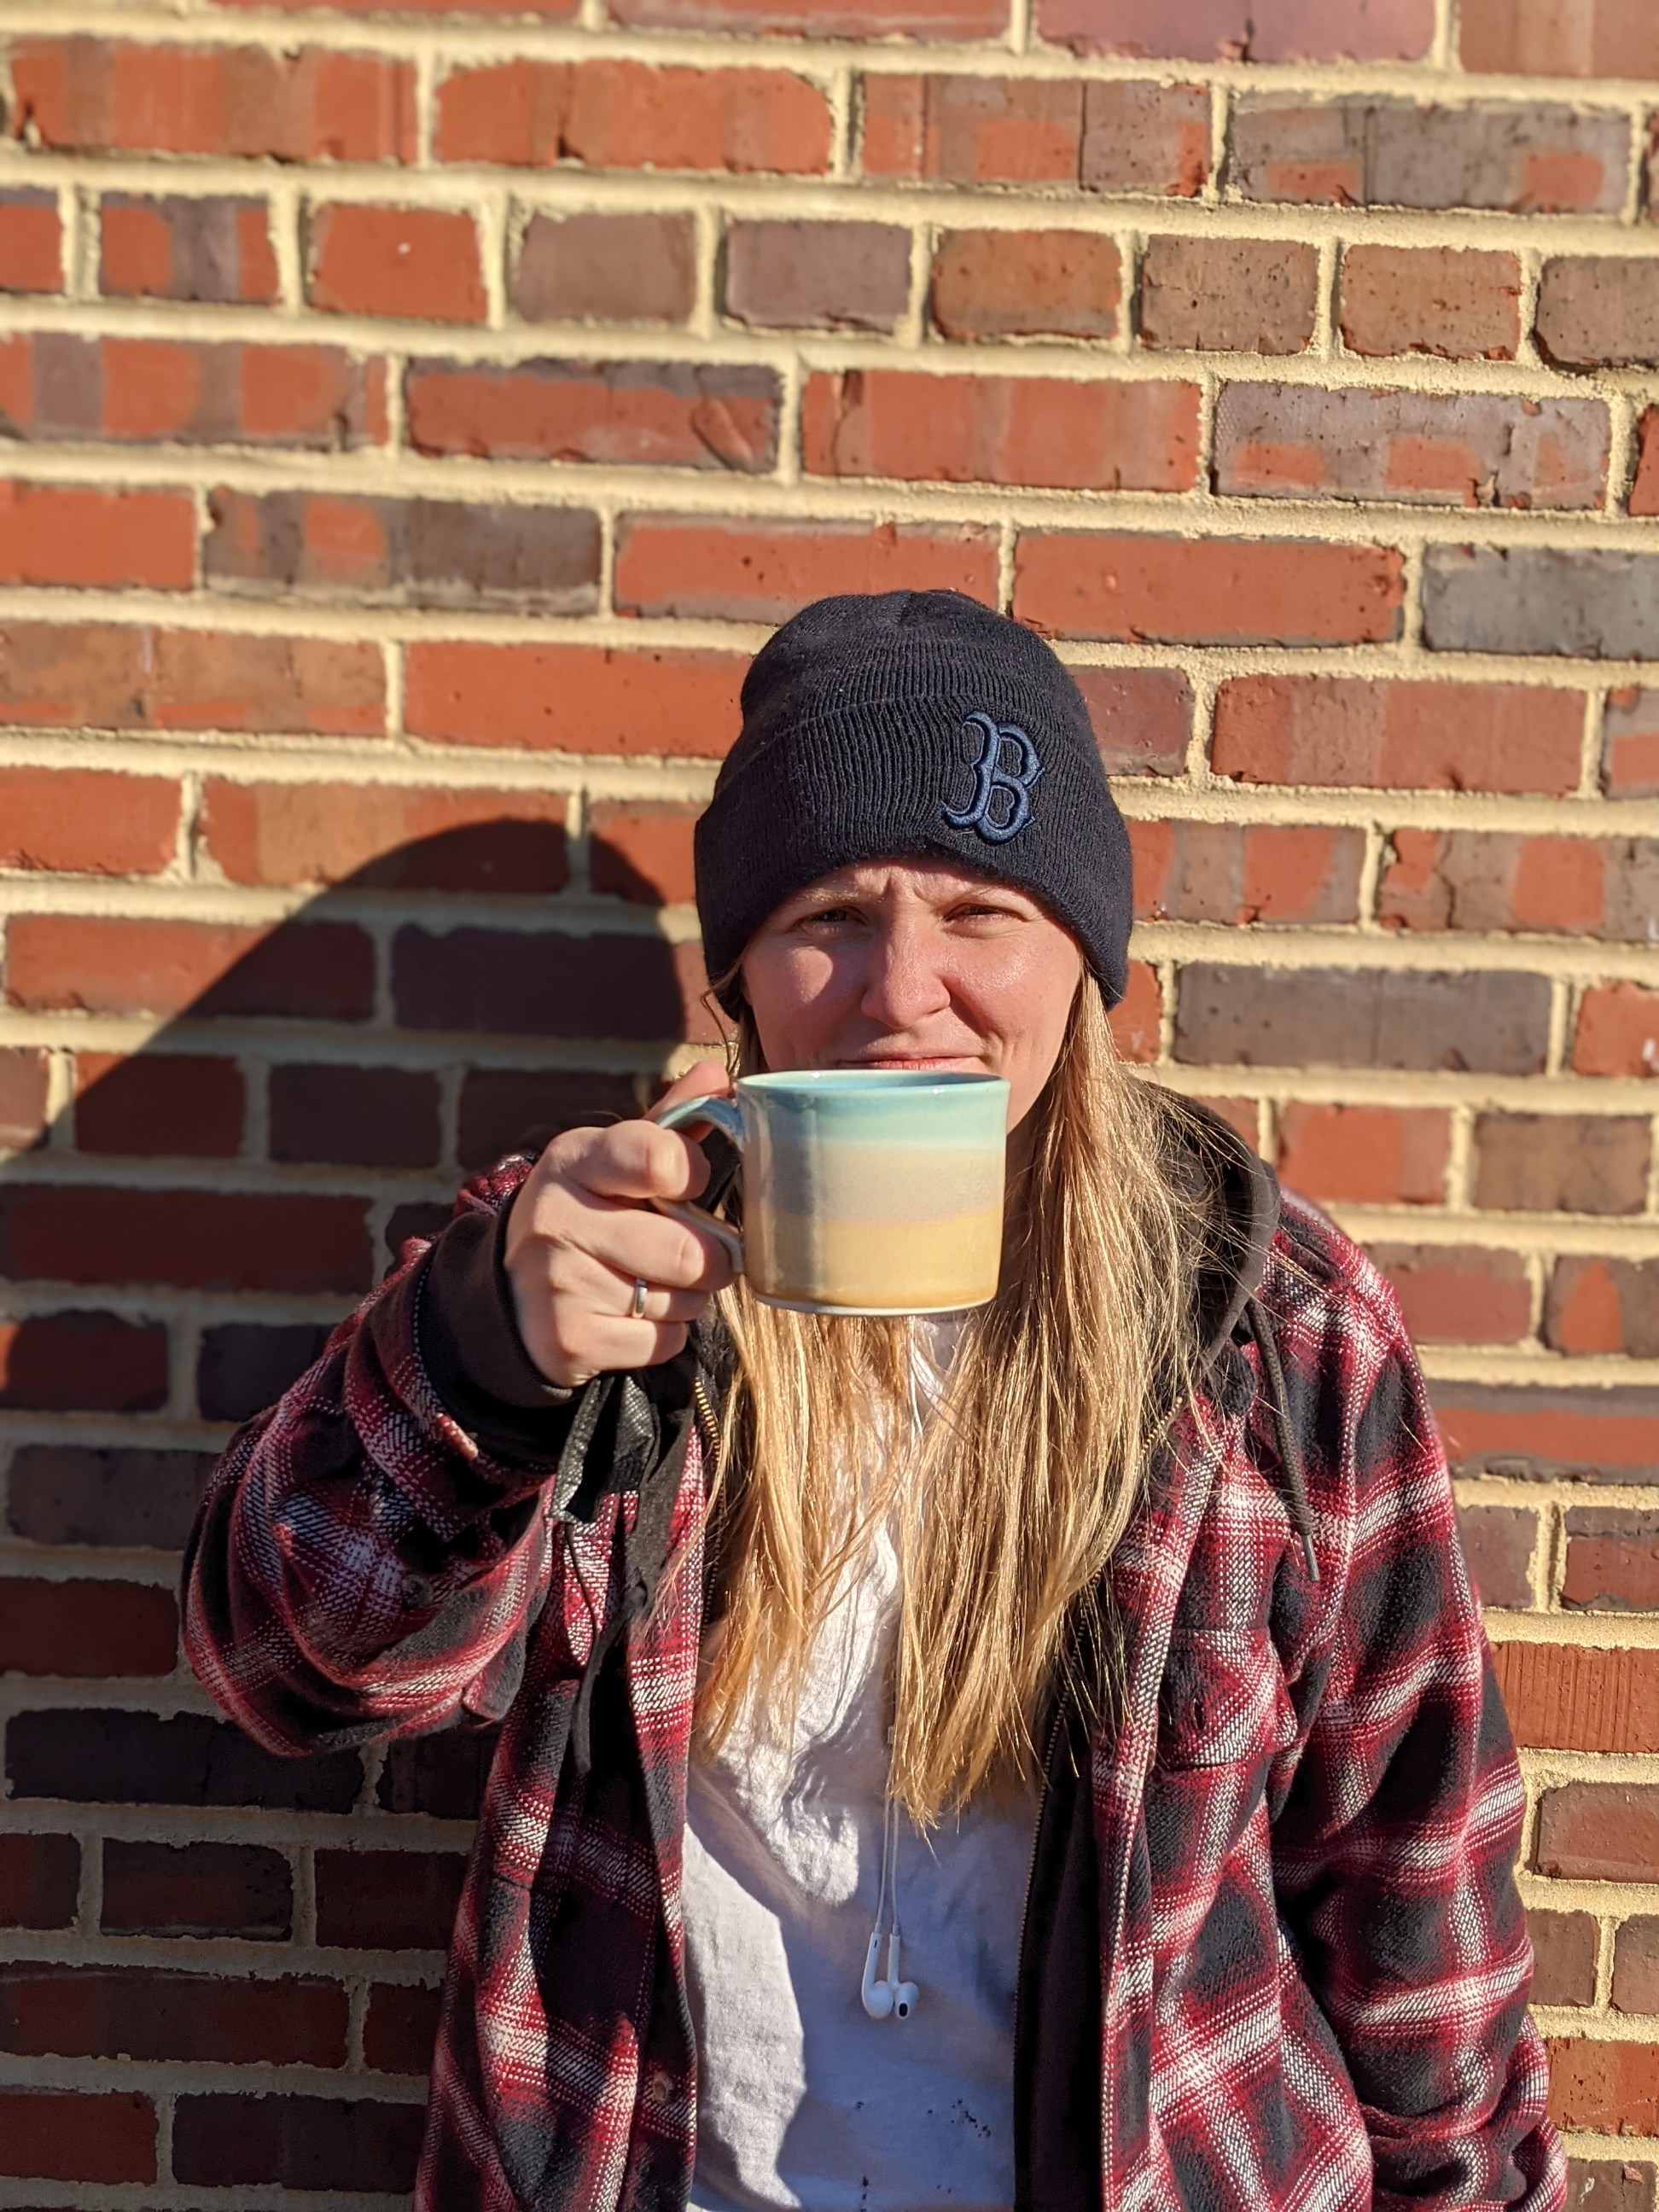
(709, 1079)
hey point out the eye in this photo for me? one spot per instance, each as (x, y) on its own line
(826, 917)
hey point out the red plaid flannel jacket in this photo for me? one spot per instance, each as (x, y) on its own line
(1313, 1962)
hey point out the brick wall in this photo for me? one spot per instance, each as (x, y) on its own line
(413, 417)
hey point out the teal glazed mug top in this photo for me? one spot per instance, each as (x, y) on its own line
(865, 1190)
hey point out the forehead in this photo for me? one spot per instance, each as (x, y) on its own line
(931, 881)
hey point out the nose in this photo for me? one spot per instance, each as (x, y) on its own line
(905, 980)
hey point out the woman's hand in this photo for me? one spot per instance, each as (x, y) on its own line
(582, 1232)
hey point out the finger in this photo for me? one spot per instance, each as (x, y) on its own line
(657, 1304)
(633, 1241)
(638, 1160)
(709, 1079)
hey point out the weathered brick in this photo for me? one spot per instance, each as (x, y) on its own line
(1494, 1024)
(401, 2026)
(1599, 311)
(119, 1495)
(58, 2135)
(1611, 2087)
(245, 1366)
(244, 1890)
(1419, 449)
(1617, 1031)
(1360, 733)
(593, 267)
(310, 103)
(1472, 879)
(1234, 872)
(80, 822)
(133, 2012)
(1604, 1305)
(84, 534)
(1215, 590)
(1575, 1696)
(1455, 302)
(1561, 38)
(113, 676)
(737, 570)
(1613, 1560)
(509, 1109)
(1535, 600)
(351, 1116)
(574, 698)
(133, 1759)
(170, 248)
(1145, 138)
(23, 1077)
(1370, 151)
(1228, 294)
(132, 390)
(1599, 1831)
(540, 10)
(1368, 1155)
(972, 129)
(1636, 1965)
(39, 1881)
(442, 1776)
(782, 275)
(1242, 30)
(86, 1627)
(1074, 436)
(1142, 718)
(1137, 1020)
(627, 115)
(82, 1363)
(1561, 1163)
(841, 18)
(684, 414)
(318, 971)
(31, 242)
(1459, 1293)
(300, 2142)
(1595, 1435)
(641, 849)
(386, 837)
(1565, 1944)
(158, 1105)
(1498, 1541)
(1609, 2185)
(602, 986)
(388, 1900)
(419, 263)
(1643, 497)
(188, 1239)
(1025, 283)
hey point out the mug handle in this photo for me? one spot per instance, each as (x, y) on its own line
(723, 1115)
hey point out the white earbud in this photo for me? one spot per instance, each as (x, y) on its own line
(887, 1994)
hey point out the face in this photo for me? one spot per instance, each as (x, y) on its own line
(914, 964)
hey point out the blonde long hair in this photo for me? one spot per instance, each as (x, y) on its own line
(1006, 1513)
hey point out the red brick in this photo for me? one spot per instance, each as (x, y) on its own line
(391, 837)
(1599, 1831)
(401, 2026)
(1367, 1155)
(1228, 294)
(86, 1628)
(54, 2135)
(543, 10)
(1236, 30)
(39, 1881)
(1415, 448)
(1025, 283)
(1232, 1015)
(1137, 1017)
(170, 248)
(1243, 1115)
(1636, 1966)
(1236, 873)
(355, 1116)
(627, 115)
(302, 2142)
(419, 263)
(23, 1076)
(656, 414)
(1208, 591)
(642, 851)
(1609, 2185)
(388, 1900)
(574, 698)
(963, 130)
(1561, 38)
(1145, 138)
(1644, 484)
(1572, 886)
(443, 1776)
(1599, 311)
(1565, 1945)
(841, 19)
(1354, 732)
(82, 822)
(1142, 718)
(315, 971)
(110, 1757)
(1567, 1163)
(601, 268)
(245, 1366)
(111, 2012)
(1459, 1293)
(115, 676)
(1080, 435)
(817, 276)
(762, 571)
(509, 1109)
(83, 1362)
(1613, 2087)
(1613, 1560)
(1498, 1541)
(1617, 1031)
(1604, 1305)
(317, 398)
(158, 1105)
(1573, 1697)
(187, 1239)
(1455, 302)
(1593, 1435)
(602, 986)
(121, 1496)
(31, 242)
(196, 1889)
(81, 534)
(108, 95)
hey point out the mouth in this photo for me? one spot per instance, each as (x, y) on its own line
(911, 1060)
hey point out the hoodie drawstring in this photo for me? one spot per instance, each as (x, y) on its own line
(1289, 1455)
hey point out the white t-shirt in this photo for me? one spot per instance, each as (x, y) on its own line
(803, 2099)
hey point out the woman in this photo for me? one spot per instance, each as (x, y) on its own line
(1117, 1631)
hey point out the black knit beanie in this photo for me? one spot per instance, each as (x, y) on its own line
(921, 725)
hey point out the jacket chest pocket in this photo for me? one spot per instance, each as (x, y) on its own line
(1223, 1700)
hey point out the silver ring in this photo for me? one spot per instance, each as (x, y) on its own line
(641, 1291)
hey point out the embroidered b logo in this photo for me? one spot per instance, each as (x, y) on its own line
(1006, 769)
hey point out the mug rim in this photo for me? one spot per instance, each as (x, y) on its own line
(851, 1080)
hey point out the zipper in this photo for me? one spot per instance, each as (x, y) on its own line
(705, 1413)
(1030, 1864)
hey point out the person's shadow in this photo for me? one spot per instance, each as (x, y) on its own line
(181, 1224)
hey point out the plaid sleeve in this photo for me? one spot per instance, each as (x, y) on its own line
(359, 1567)
(1393, 1851)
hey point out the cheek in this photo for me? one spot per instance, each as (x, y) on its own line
(794, 992)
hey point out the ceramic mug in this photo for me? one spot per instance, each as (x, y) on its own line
(865, 1190)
